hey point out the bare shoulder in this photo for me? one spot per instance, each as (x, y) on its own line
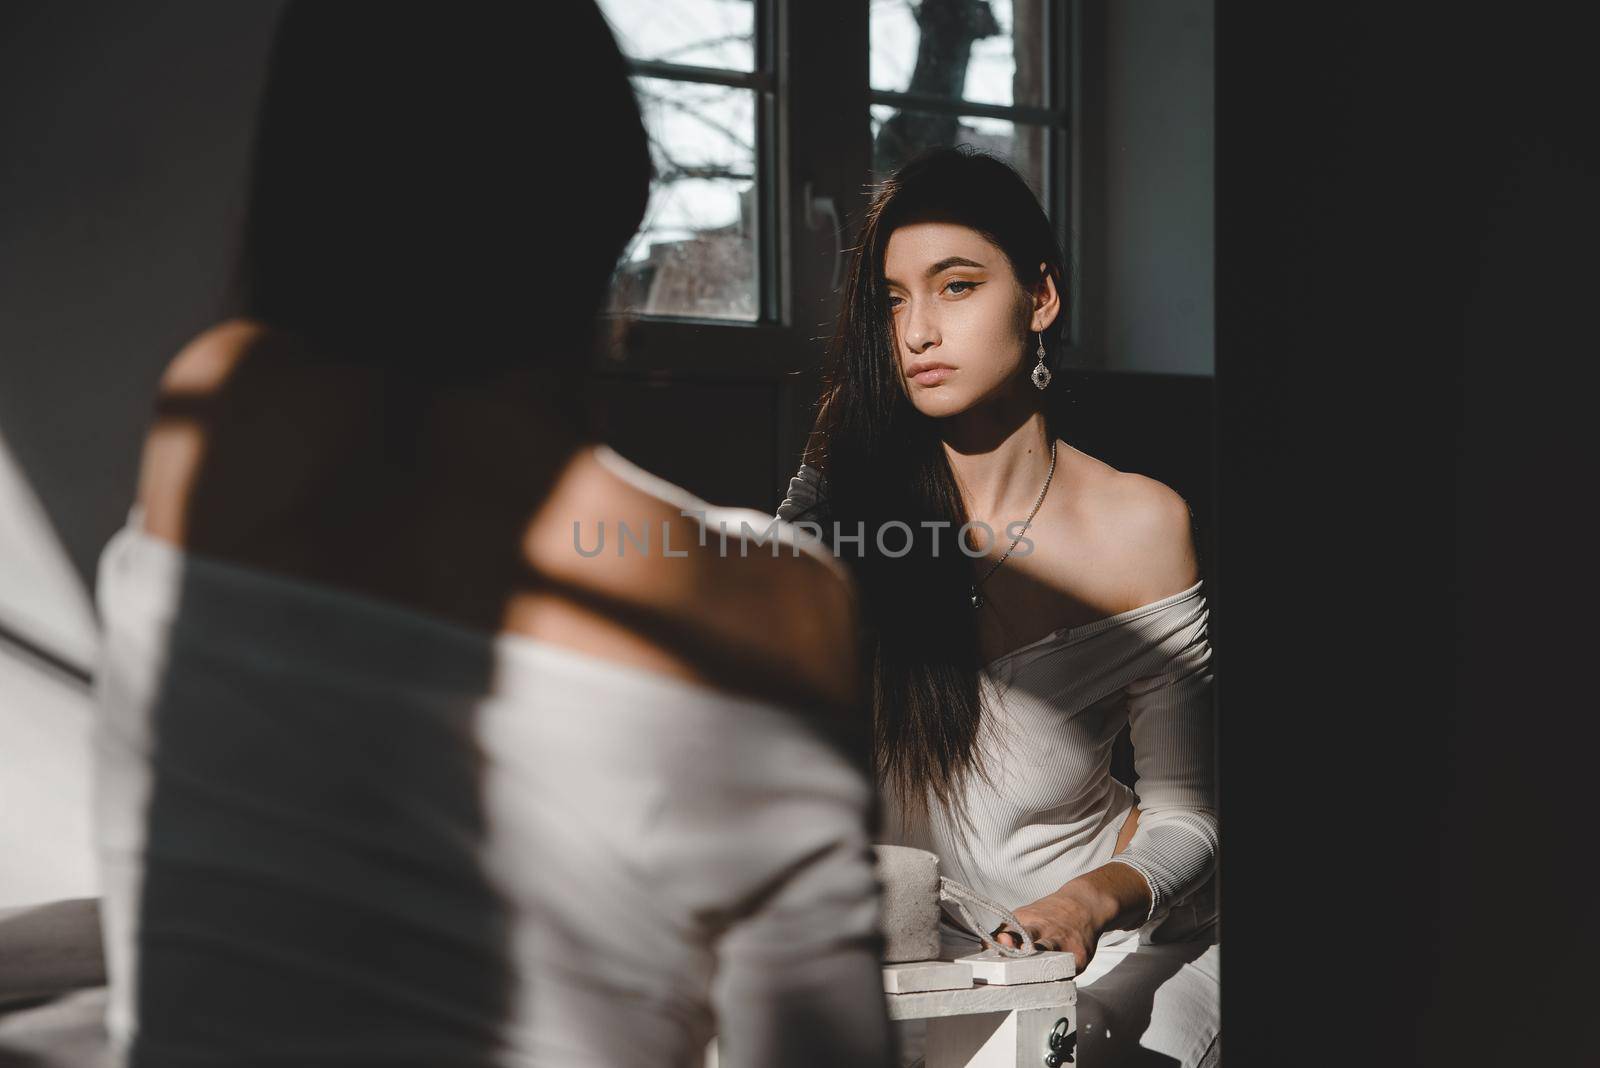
(815, 597)
(192, 400)
(1141, 530)
(1154, 527)
(205, 365)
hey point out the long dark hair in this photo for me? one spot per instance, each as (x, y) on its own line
(885, 463)
(423, 192)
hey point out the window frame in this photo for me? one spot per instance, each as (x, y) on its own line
(1057, 116)
(763, 83)
(812, 65)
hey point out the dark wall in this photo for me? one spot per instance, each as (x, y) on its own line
(1157, 425)
(1158, 159)
(124, 131)
(1406, 226)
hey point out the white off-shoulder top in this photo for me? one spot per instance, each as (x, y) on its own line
(337, 831)
(1047, 807)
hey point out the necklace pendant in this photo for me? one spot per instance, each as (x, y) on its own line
(977, 598)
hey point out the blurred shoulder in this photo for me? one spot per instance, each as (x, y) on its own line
(195, 398)
(729, 597)
(213, 358)
(803, 593)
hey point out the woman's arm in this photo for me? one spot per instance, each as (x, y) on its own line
(1174, 841)
(1171, 717)
(1111, 897)
(1173, 844)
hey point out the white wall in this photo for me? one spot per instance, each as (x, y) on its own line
(45, 847)
(1159, 144)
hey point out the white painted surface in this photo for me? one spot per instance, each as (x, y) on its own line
(1019, 1039)
(41, 597)
(980, 999)
(1043, 967)
(924, 975)
(46, 847)
(45, 715)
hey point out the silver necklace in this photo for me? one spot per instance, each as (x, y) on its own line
(977, 598)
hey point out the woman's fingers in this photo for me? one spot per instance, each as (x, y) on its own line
(1008, 937)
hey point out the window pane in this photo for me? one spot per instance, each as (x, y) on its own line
(986, 51)
(897, 135)
(703, 33)
(696, 252)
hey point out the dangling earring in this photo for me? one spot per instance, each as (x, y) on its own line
(1041, 373)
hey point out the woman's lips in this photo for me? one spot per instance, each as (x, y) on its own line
(932, 376)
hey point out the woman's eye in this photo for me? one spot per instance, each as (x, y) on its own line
(895, 301)
(964, 286)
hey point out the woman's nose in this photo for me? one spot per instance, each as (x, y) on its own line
(921, 332)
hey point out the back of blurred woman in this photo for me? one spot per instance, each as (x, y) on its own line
(395, 768)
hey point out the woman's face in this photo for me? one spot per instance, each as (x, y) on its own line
(962, 322)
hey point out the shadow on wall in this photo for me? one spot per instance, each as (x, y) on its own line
(126, 131)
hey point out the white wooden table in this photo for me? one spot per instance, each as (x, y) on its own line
(985, 1012)
(1008, 1022)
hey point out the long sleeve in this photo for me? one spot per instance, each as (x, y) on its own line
(807, 501)
(1170, 717)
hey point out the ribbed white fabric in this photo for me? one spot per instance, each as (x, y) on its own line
(336, 831)
(1047, 808)
(1050, 810)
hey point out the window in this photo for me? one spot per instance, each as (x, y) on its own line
(769, 120)
(978, 72)
(729, 239)
(705, 92)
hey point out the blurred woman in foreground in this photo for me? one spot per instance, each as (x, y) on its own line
(391, 772)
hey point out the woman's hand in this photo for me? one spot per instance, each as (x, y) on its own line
(1071, 920)
(1061, 921)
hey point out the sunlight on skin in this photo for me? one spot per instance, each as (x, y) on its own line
(959, 311)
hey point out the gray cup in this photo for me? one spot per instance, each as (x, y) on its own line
(910, 917)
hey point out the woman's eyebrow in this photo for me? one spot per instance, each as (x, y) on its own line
(943, 265)
(952, 261)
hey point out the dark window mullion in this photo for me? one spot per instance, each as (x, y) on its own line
(1058, 20)
(1032, 116)
(760, 80)
(770, 276)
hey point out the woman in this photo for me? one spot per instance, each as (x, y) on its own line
(1007, 654)
(394, 769)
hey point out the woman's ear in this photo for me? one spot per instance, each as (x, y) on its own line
(1046, 301)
